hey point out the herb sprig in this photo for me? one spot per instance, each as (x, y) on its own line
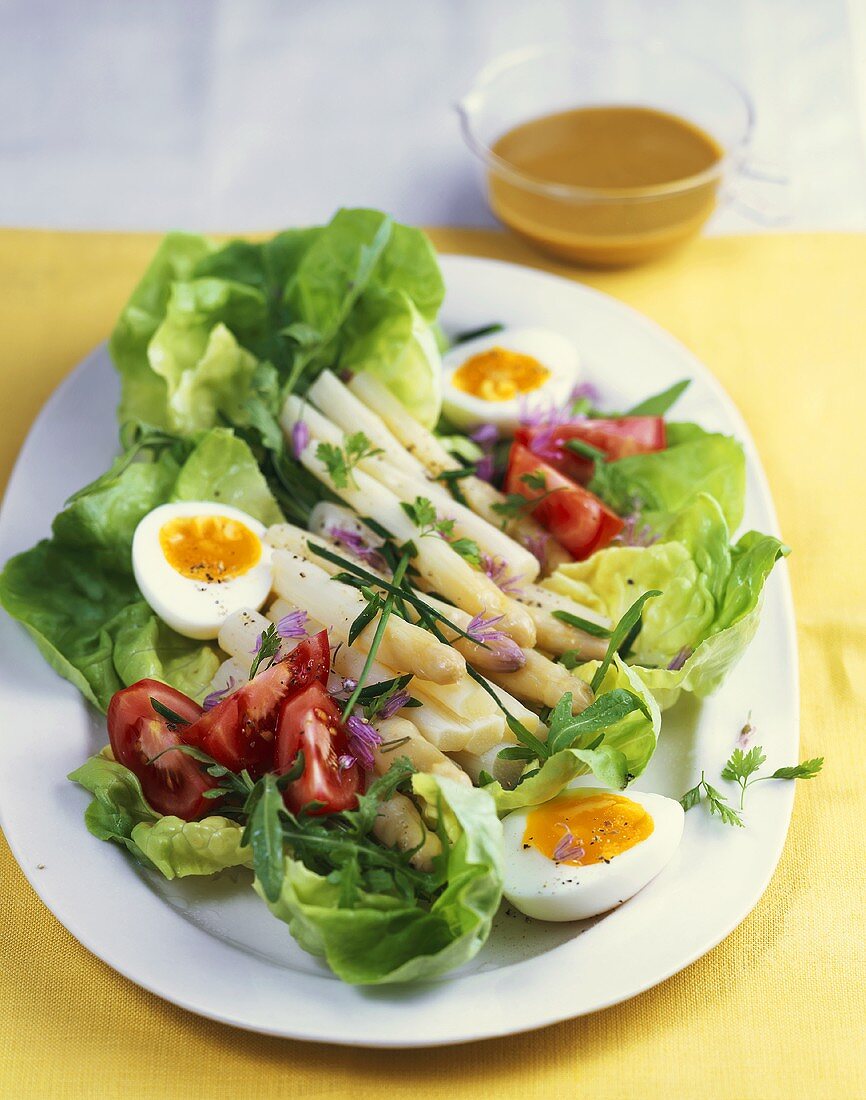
(341, 461)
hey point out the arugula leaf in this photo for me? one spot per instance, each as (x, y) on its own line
(565, 728)
(264, 835)
(659, 404)
(620, 634)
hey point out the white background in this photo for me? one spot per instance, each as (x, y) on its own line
(245, 114)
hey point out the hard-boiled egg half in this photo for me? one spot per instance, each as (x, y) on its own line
(493, 379)
(587, 851)
(198, 561)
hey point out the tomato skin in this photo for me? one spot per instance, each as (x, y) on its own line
(310, 723)
(628, 435)
(573, 515)
(240, 731)
(175, 783)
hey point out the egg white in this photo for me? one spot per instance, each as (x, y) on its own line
(552, 351)
(196, 609)
(546, 890)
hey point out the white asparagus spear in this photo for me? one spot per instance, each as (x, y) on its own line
(439, 567)
(402, 473)
(420, 752)
(405, 647)
(495, 657)
(556, 636)
(347, 412)
(537, 681)
(239, 633)
(424, 446)
(442, 725)
(542, 681)
(398, 825)
(232, 673)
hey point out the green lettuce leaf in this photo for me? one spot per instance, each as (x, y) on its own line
(624, 752)
(388, 337)
(384, 939)
(708, 610)
(118, 804)
(667, 481)
(89, 620)
(222, 468)
(178, 848)
(143, 394)
(175, 848)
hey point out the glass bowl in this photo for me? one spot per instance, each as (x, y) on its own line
(595, 225)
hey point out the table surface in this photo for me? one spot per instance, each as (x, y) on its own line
(210, 114)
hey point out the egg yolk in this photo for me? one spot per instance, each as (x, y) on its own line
(498, 374)
(584, 829)
(209, 548)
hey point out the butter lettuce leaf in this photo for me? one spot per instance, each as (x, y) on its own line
(178, 848)
(75, 592)
(694, 462)
(384, 939)
(709, 607)
(119, 812)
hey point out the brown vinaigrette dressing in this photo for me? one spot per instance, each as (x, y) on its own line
(636, 150)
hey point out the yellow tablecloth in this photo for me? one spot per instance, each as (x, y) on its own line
(779, 1009)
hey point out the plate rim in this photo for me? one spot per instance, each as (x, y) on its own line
(478, 1032)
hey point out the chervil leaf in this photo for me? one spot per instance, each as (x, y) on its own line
(807, 770)
(467, 549)
(341, 461)
(691, 798)
(422, 512)
(535, 480)
(718, 804)
(268, 645)
(741, 765)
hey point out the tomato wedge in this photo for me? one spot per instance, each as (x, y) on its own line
(173, 783)
(628, 435)
(240, 731)
(572, 514)
(310, 723)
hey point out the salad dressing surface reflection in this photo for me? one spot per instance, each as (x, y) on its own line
(627, 158)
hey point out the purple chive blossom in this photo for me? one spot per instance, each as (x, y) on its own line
(300, 438)
(397, 701)
(635, 533)
(680, 659)
(485, 436)
(484, 468)
(497, 570)
(507, 652)
(210, 701)
(545, 445)
(363, 739)
(357, 545)
(349, 684)
(537, 546)
(746, 733)
(584, 391)
(258, 645)
(345, 762)
(293, 625)
(568, 848)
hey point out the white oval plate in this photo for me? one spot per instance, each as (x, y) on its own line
(211, 946)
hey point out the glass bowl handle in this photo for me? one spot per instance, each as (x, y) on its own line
(761, 192)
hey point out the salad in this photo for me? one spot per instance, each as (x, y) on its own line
(388, 615)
